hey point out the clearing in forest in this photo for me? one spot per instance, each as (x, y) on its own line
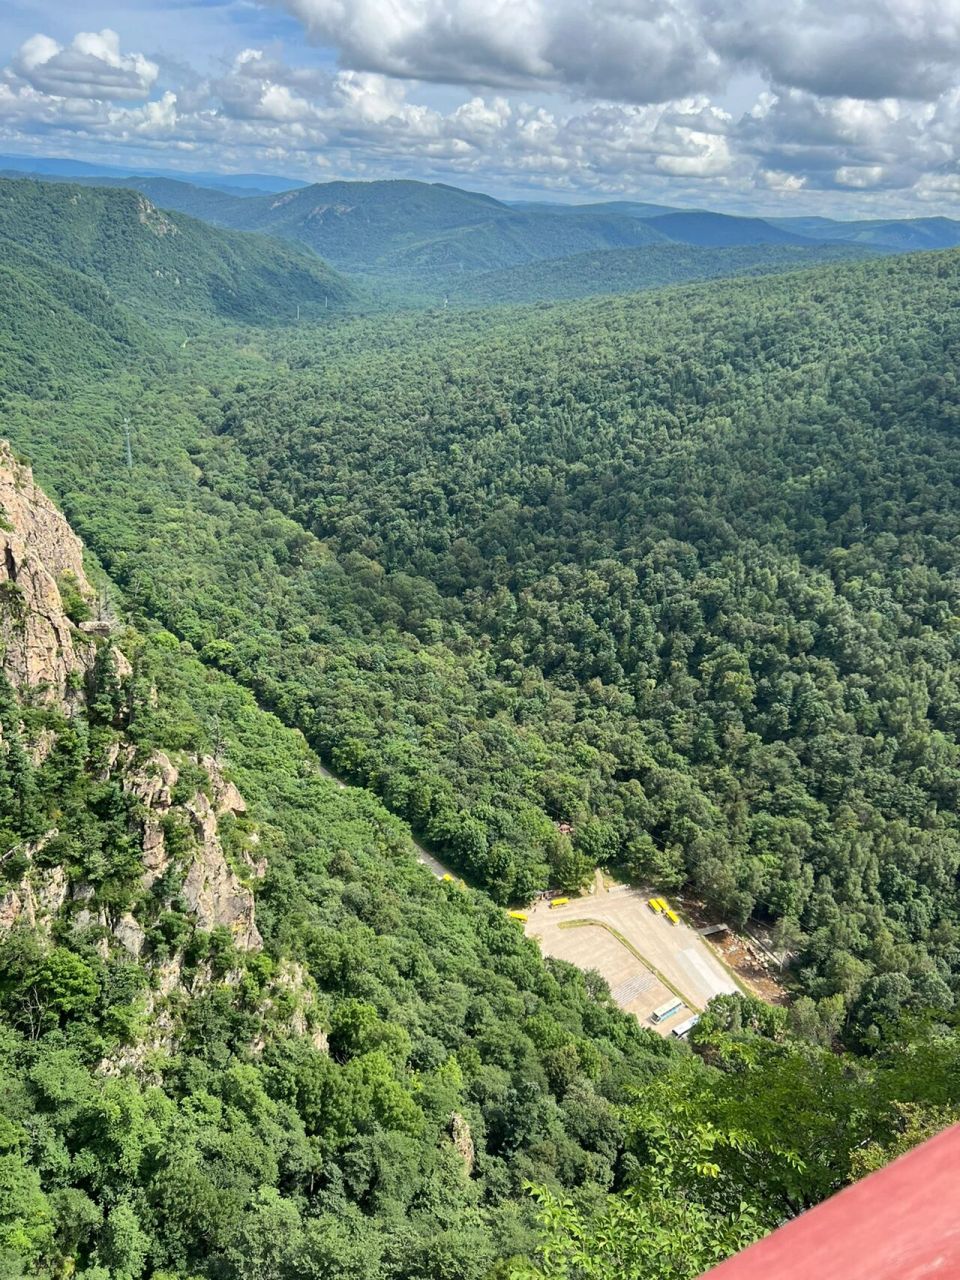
(644, 958)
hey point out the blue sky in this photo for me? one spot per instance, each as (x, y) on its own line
(847, 107)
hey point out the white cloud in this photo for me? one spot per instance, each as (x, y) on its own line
(370, 119)
(851, 143)
(841, 48)
(859, 176)
(648, 50)
(628, 50)
(91, 66)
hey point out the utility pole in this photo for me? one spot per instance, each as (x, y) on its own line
(126, 439)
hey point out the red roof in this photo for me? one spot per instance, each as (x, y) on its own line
(901, 1223)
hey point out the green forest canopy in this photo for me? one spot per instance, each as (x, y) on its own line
(677, 569)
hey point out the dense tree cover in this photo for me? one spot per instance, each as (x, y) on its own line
(902, 235)
(675, 570)
(416, 230)
(164, 266)
(719, 1145)
(59, 327)
(584, 275)
(250, 1152)
(696, 552)
(252, 1155)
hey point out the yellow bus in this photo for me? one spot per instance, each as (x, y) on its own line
(558, 902)
(672, 916)
(656, 905)
(518, 915)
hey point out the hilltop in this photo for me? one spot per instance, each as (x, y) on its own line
(411, 241)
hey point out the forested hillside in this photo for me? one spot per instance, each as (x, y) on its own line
(415, 230)
(244, 1036)
(900, 235)
(431, 237)
(671, 570)
(675, 571)
(585, 275)
(159, 264)
(719, 230)
(58, 327)
(354, 1075)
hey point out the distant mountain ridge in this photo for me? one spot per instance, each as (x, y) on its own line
(899, 235)
(62, 167)
(163, 265)
(416, 229)
(402, 215)
(414, 241)
(720, 230)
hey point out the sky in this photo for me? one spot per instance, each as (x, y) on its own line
(847, 108)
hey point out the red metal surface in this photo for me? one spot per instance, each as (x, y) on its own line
(901, 1223)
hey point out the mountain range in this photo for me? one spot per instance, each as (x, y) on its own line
(435, 240)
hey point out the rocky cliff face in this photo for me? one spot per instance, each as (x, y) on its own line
(175, 806)
(212, 890)
(39, 551)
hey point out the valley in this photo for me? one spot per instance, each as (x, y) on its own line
(631, 567)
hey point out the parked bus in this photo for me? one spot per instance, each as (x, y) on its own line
(683, 1029)
(672, 916)
(655, 904)
(518, 915)
(666, 1010)
(558, 902)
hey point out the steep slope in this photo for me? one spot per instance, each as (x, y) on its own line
(573, 550)
(294, 1052)
(415, 229)
(58, 659)
(58, 326)
(230, 998)
(163, 265)
(210, 204)
(410, 230)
